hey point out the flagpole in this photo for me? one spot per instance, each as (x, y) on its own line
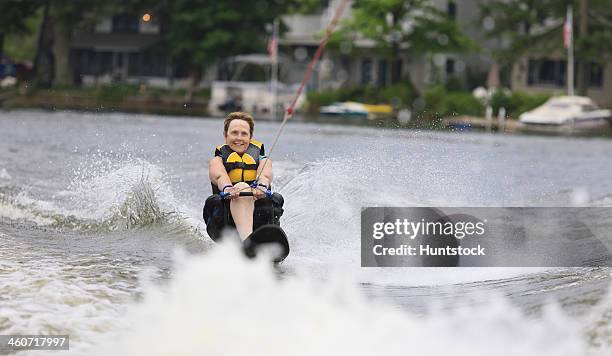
(569, 26)
(274, 69)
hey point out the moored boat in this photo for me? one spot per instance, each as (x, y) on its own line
(355, 109)
(567, 111)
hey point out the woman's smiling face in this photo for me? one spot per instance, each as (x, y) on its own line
(238, 136)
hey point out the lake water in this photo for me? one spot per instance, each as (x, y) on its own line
(101, 238)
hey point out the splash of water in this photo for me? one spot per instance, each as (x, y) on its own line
(133, 195)
(220, 304)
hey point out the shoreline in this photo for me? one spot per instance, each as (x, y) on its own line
(173, 104)
(95, 101)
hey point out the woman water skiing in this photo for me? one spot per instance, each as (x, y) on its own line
(240, 165)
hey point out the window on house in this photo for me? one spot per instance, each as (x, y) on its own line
(366, 71)
(595, 75)
(103, 63)
(546, 72)
(549, 72)
(95, 63)
(382, 73)
(119, 57)
(450, 66)
(125, 23)
(396, 71)
(147, 64)
(451, 9)
(79, 60)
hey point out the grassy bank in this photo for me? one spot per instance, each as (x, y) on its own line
(432, 106)
(109, 98)
(428, 110)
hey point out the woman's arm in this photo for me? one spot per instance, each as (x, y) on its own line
(217, 173)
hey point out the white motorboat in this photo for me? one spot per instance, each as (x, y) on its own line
(571, 111)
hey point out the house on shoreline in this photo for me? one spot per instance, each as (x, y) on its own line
(343, 67)
(122, 49)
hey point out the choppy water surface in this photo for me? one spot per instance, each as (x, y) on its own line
(101, 238)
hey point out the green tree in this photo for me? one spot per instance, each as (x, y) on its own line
(13, 18)
(524, 26)
(307, 7)
(65, 15)
(534, 27)
(200, 32)
(594, 35)
(415, 26)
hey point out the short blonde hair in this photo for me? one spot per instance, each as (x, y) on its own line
(238, 115)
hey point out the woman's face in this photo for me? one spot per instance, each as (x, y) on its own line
(238, 136)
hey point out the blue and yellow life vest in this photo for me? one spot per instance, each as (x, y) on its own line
(241, 168)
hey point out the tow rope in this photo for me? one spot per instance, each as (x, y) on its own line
(290, 109)
(313, 62)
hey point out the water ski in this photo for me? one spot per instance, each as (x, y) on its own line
(267, 237)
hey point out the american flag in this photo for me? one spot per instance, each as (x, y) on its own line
(567, 29)
(273, 44)
(272, 47)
